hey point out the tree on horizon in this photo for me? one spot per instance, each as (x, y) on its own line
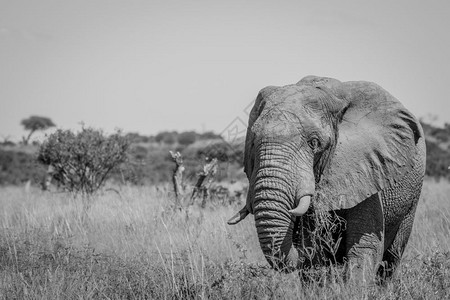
(35, 123)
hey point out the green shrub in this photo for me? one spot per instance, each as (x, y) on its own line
(209, 135)
(187, 138)
(167, 137)
(17, 167)
(223, 151)
(438, 161)
(83, 161)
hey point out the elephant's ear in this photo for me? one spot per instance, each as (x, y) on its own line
(375, 146)
(250, 138)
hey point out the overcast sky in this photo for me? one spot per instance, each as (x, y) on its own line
(147, 66)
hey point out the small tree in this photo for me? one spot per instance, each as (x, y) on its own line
(83, 161)
(35, 123)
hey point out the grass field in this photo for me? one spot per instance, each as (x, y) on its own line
(136, 246)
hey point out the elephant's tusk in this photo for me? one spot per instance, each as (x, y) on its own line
(302, 206)
(238, 216)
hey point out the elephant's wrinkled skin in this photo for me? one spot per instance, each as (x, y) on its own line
(348, 150)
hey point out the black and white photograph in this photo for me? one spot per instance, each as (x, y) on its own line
(168, 149)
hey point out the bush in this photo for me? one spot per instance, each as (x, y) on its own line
(18, 167)
(136, 138)
(83, 161)
(167, 137)
(438, 161)
(223, 151)
(187, 138)
(209, 135)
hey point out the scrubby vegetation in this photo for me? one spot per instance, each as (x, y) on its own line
(82, 162)
(150, 162)
(438, 150)
(18, 166)
(135, 246)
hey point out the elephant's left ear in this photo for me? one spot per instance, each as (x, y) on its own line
(377, 143)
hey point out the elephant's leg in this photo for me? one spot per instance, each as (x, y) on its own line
(394, 252)
(364, 239)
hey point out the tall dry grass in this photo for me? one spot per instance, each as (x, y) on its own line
(136, 246)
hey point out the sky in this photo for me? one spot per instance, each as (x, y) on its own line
(148, 66)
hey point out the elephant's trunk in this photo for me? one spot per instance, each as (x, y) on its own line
(275, 227)
(281, 190)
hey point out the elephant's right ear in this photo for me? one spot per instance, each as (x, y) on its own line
(250, 137)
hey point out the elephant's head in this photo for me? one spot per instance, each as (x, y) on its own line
(320, 143)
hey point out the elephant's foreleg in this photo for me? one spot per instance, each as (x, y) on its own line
(365, 239)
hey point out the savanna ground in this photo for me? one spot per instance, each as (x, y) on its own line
(136, 246)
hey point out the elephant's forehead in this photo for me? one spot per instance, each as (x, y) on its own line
(291, 93)
(301, 101)
(294, 98)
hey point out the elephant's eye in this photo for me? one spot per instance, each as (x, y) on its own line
(314, 144)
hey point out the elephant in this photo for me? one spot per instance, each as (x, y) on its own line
(335, 173)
